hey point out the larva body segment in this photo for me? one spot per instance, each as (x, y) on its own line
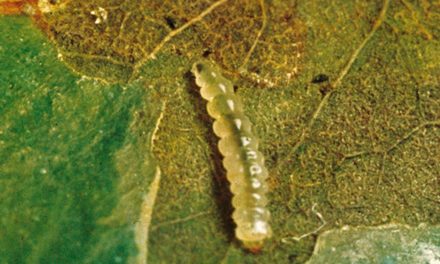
(243, 162)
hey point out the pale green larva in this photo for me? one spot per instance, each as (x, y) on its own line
(243, 162)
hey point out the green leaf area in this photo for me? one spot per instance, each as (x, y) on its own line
(78, 155)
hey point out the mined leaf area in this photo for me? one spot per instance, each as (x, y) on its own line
(381, 244)
(81, 141)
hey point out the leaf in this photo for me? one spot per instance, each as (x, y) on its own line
(77, 158)
(66, 144)
(382, 244)
(117, 37)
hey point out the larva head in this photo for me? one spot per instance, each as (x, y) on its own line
(210, 80)
(198, 68)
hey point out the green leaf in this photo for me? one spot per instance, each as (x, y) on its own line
(97, 140)
(71, 149)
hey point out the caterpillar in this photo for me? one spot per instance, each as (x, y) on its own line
(243, 163)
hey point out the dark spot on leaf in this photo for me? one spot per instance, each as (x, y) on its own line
(320, 78)
(325, 89)
(178, 51)
(141, 114)
(292, 258)
(206, 53)
(170, 22)
(255, 70)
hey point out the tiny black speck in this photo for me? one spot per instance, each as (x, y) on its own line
(170, 22)
(206, 53)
